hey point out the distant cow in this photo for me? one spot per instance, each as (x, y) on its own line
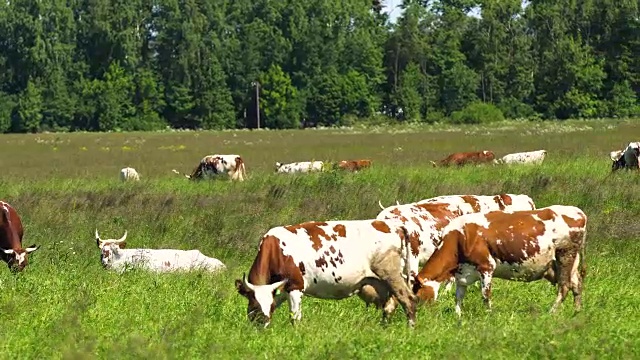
(354, 165)
(11, 233)
(530, 157)
(627, 159)
(299, 167)
(212, 165)
(424, 220)
(460, 159)
(520, 245)
(129, 174)
(327, 260)
(114, 256)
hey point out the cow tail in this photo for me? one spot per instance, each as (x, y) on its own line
(583, 260)
(240, 167)
(407, 254)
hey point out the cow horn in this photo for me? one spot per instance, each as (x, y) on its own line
(276, 285)
(397, 202)
(247, 284)
(123, 238)
(380, 204)
(98, 236)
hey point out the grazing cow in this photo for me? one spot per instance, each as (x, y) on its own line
(212, 165)
(530, 157)
(129, 174)
(520, 245)
(627, 159)
(460, 159)
(114, 256)
(327, 260)
(299, 167)
(425, 219)
(11, 233)
(354, 165)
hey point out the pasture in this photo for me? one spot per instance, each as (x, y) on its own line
(65, 305)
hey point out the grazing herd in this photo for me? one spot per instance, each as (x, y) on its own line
(401, 257)
(455, 238)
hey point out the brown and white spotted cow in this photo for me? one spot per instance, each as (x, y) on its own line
(11, 233)
(212, 165)
(520, 245)
(354, 165)
(464, 158)
(327, 260)
(425, 219)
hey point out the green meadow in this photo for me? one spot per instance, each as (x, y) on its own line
(66, 306)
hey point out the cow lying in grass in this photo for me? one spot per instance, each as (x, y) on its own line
(213, 165)
(529, 157)
(299, 167)
(114, 256)
(466, 158)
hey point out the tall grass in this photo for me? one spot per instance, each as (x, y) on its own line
(66, 306)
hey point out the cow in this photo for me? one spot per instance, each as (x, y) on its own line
(11, 234)
(115, 256)
(525, 245)
(354, 165)
(530, 157)
(212, 165)
(627, 159)
(299, 167)
(464, 158)
(426, 218)
(129, 174)
(327, 260)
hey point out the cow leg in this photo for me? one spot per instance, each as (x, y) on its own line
(461, 290)
(295, 302)
(388, 268)
(486, 275)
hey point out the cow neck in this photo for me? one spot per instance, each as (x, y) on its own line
(444, 261)
(267, 263)
(9, 230)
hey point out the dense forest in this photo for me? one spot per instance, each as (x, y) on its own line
(70, 65)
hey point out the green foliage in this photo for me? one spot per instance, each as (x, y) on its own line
(279, 100)
(624, 101)
(144, 65)
(477, 113)
(29, 109)
(7, 103)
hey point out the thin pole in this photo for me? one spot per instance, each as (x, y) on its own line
(258, 104)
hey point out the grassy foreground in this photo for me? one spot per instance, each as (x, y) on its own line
(66, 306)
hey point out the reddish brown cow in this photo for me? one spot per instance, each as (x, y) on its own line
(11, 233)
(460, 159)
(354, 165)
(523, 245)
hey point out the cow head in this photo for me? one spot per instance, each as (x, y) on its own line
(17, 258)
(261, 299)
(278, 165)
(110, 247)
(426, 291)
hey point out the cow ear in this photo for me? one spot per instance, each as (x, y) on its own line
(122, 245)
(242, 290)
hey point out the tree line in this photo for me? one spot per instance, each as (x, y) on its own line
(69, 65)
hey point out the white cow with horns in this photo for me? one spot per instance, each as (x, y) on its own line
(115, 257)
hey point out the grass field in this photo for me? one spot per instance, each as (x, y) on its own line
(65, 305)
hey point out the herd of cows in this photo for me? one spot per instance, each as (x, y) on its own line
(402, 257)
